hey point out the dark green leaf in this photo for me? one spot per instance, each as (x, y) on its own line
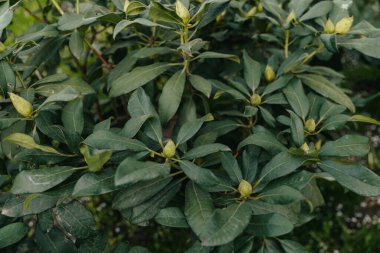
(12, 233)
(76, 219)
(356, 178)
(40, 180)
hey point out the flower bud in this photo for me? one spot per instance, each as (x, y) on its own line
(182, 11)
(269, 74)
(169, 149)
(255, 100)
(329, 27)
(290, 17)
(21, 105)
(260, 7)
(305, 148)
(252, 12)
(245, 188)
(318, 145)
(126, 4)
(344, 25)
(310, 125)
(2, 47)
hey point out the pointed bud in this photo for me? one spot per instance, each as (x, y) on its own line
(310, 125)
(329, 27)
(290, 17)
(2, 47)
(126, 4)
(255, 100)
(305, 148)
(344, 25)
(260, 8)
(169, 149)
(182, 11)
(269, 74)
(318, 145)
(245, 189)
(251, 12)
(21, 105)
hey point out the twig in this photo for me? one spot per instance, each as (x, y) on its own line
(32, 14)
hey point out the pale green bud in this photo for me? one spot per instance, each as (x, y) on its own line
(329, 27)
(310, 125)
(245, 188)
(255, 100)
(269, 74)
(169, 149)
(344, 25)
(182, 11)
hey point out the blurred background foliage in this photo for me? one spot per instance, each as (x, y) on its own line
(349, 223)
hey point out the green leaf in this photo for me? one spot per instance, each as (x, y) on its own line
(98, 244)
(139, 104)
(367, 46)
(171, 217)
(71, 21)
(365, 119)
(135, 8)
(280, 165)
(12, 233)
(40, 180)
(327, 89)
(198, 208)
(55, 241)
(141, 21)
(292, 247)
(335, 122)
(133, 125)
(201, 84)
(107, 140)
(138, 193)
(356, 178)
(96, 160)
(6, 15)
(348, 145)
(65, 95)
(199, 175)
(269, 225)
(297, 129)
(198, 248)
(252, 72)
(76, 219)
(136, 78)
(264, 139)
(7, 76)
(297, 98)
(209, 10)
(227, 224)
(76, 44)
(171, 96)
(189, 129)
(282, 195)
(72, 116)
(204, 150)
(51, 88)
(131, 171)
(216, 55)
(158, 12)
(28, 142)
(231, 166)
(318, 10)
(18, 206)
(149, 209)
(94, 184)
